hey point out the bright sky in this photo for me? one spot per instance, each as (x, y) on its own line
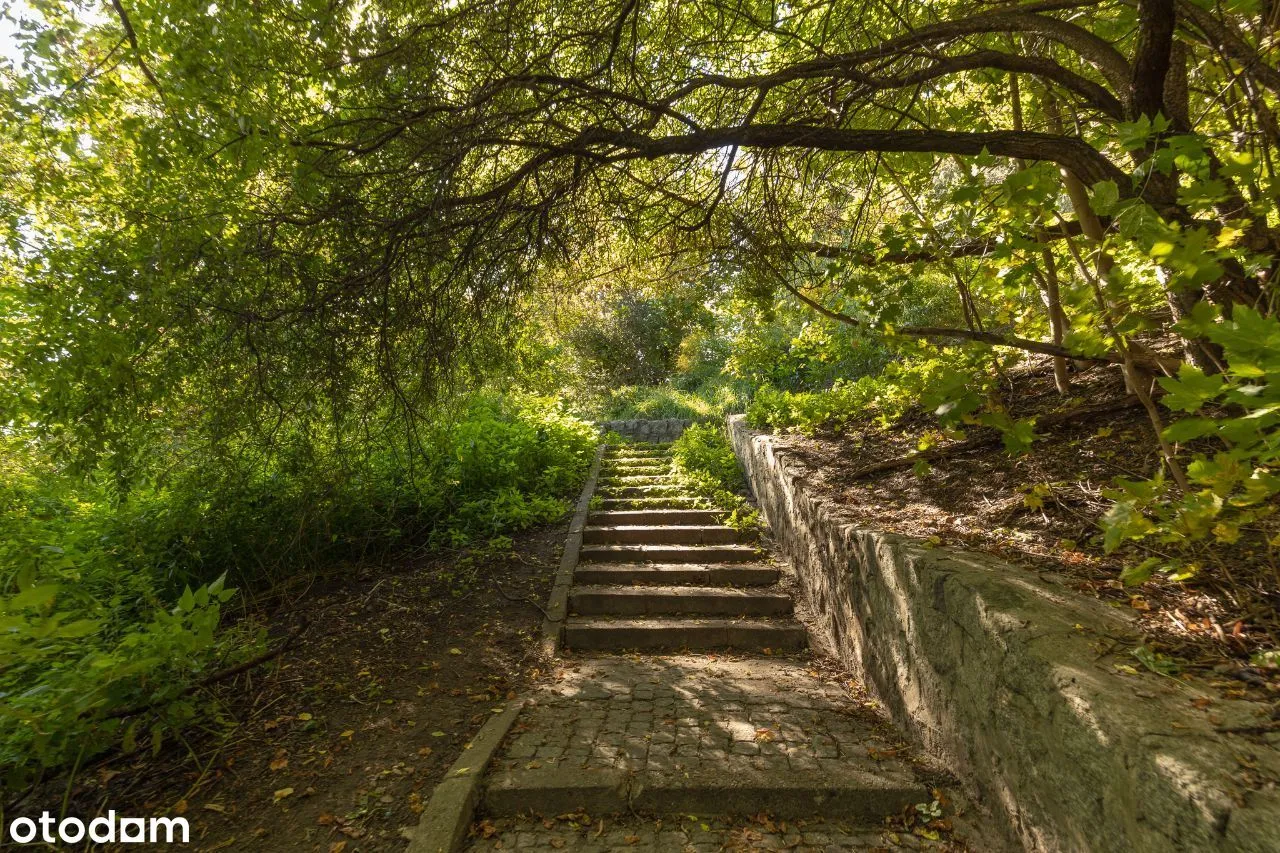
(9, 10)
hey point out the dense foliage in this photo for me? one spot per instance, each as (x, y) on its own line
(259, 258)
(113, 607)
(704, 462)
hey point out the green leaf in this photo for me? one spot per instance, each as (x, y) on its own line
(33, 598)
(1189, 429)
(1106, 195)
(1139, 574)
(1191, 389)
(1123, 522)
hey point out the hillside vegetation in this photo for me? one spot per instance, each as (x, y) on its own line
(287, 285)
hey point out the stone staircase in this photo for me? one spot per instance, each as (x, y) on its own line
(684, 712)
(656, 572)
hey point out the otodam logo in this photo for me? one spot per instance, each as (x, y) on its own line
(101, 830)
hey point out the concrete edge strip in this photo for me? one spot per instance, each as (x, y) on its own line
(558, 603)
(448, 814)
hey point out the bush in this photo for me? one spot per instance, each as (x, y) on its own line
(704, 461)
(708, 401)
(114, 603)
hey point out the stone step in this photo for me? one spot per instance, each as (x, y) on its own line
(655, 516)
(634, 504)
(638, 480)
(858, 797)
(590, 633)
(668, 574)
(687, 734)
(662, 534)
(677, 832)
(634, 470)
(668, 554)
(642, 492)
(587, 600)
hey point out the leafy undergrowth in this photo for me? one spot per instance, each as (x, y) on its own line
(1043, 508)
(704, 462)
(115, 611)
(708, 401)
(338, 745)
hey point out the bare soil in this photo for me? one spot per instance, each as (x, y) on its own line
(336, 746)
(1040, 510)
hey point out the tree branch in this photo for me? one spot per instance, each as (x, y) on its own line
(132, 36)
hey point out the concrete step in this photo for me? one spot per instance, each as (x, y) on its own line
(857, 797)
(642, 492)
(634, 470)
(588, 600)
(607, 504)
(662, 534)
(668, 554)
(668, 574)
(590, 633)
(638, 455)
(637, 480)
(655, 516)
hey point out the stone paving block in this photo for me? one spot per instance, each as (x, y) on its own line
(695, 753)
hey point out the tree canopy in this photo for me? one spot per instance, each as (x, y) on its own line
(258, 249)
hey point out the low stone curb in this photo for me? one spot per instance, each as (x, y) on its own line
(558, 603)
(448, 814)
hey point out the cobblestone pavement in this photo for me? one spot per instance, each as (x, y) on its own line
(677, 715)
(687, 835)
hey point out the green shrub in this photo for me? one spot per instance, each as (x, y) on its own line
(704, 461)
(952, 383)
(1231, 423)
(113, 602)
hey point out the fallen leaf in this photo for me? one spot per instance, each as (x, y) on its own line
(282, 793)
(304, 716)
(216, 807)
(279, 763)
(326, 819)
(348, 733)
(180, 807)
(455, 651)
(337, 847)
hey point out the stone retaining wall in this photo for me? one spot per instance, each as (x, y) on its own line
(1007, 677)
(657, 431)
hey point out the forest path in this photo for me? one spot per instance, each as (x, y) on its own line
(685, 691)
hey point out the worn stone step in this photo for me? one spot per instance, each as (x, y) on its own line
(607, 504)
(634, 470)
(642, 492)
(668, 574)
(655, 516)
(638, 480)
(662, 534)
(592, 633)
(587, 600)
(668, 554)
(678, 832)
(686, 734)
